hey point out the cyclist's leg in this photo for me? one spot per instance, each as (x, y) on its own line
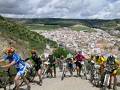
(40, 75)
(115, 81)
(80, 68)
(110, 81)
(16, 80)
(21, 74)
(71, 69)
(54, 67)
(26, 82)
(50, 70)
(115, 78)
(77, 68)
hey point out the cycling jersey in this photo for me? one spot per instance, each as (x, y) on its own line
(111, 60)
(36, 61)
(101, 60)
(79, 57)
(19, 64)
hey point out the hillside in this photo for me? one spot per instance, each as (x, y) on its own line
(17, 35)
(77, 33)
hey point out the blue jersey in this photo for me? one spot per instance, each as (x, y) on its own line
(19, 64)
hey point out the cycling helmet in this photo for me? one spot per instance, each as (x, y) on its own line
(33, 51)
(10, 50)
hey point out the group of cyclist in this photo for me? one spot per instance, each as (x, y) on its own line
(73, 63)
(102, 60)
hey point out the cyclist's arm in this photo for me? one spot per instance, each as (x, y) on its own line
(117, 62)
(29, 61)
(26, 59)
(1, 61)
(83, 57)
(9, 65)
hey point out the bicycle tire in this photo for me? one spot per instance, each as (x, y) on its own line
(63, 75)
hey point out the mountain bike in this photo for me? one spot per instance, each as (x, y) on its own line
(108, 71)
(83, 70)
(6, 77)
(64, 70)
(96, 75)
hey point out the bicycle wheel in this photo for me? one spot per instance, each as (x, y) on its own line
(31, 74)
(4, 78)
(106, 82)
(21, 82)
(4, 82)
(115, 84)
(83, 70)
(63, 75)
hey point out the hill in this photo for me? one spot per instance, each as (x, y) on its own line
(17, 35)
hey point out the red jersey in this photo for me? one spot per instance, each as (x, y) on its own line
(79, 57)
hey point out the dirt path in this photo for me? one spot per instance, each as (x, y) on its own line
(69, 83)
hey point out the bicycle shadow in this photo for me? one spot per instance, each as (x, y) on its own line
(35, 82)
(118, 84)
(20, 89)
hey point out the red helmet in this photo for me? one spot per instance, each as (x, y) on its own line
(10, 50)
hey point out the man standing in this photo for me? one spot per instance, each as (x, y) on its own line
(52, 61)
(36, 61)
(79, 58)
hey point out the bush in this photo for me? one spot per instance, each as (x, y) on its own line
(60, 52)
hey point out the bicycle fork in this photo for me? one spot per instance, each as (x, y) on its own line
(106, 80)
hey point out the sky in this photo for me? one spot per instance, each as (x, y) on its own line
(76, 9)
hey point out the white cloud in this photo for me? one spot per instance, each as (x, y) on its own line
(61, 8)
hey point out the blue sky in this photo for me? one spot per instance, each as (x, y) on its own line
(78, 9)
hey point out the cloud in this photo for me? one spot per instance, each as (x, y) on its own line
(61, 8)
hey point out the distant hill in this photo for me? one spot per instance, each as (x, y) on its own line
(96, 23)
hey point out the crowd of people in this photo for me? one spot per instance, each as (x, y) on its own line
(71, 62)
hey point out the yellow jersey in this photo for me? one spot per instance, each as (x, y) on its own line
(101, 60)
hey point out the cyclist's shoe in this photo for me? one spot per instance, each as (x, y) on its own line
(40, 83)
(28, 87)
(54, 76)
(109, 87)
(14, 88)
(79, 75)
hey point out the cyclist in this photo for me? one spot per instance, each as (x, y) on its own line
(111, 60)
(52, 65)
(100, 60)
(60, 63)
(79, 58)
(37, 62)
(69, 61)
(113, 63)
(15, 59)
